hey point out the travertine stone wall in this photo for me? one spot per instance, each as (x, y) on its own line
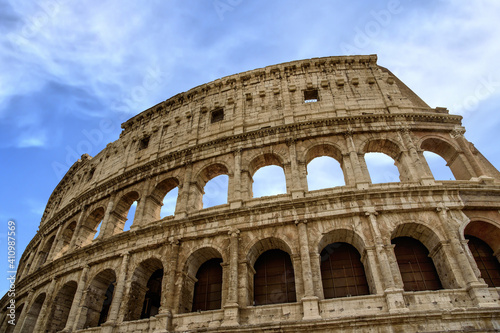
(234, 126)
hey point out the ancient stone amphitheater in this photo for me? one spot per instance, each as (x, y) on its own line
(417, 255)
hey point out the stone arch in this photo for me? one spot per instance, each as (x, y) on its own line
(206, 174)
(99, 295)
(32, 316)
(120, 211)
(144, 297)
(66, 236)
(89, 227)
(193, 263)
(264, 160)
(390, 148)
(44, 253)
(61, 307)
(5, 325)
(342, 240)
(432, 242)
(450, 153)
(487, 231)
(258, 256)
(154, 201)
(326, 150)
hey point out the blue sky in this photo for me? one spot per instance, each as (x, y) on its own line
(72, 69)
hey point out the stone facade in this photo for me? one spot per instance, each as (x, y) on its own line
(284, 115)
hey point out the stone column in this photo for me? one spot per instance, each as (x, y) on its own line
(184, 206)
(140, 217)
(42, 320)
(231, 309)
(415, 165)
(458, 134)
(34, 263)
(27, 306)
(168, 290)
(297, 181)
(393, 294)
(55, 246)
(75, 306)
(76, 234)
(361, 179)
(369, 261)
(477, 290)
(120, 287)
(103, 232)
(309, 301)
(235, 197)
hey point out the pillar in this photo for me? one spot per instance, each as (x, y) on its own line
(310, 300)
(296, 181)
(231, 309)
(27, 306)
(361, 178)
(107, 217)
(118, 294)
(235, 195)
(76, 234)
(41, 322)
(54, 249)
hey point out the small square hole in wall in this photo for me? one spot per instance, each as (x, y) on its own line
(217, 115)
(144, 143)
(311, 96)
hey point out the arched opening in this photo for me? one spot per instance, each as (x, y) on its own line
(450, 154)
(10, 328)
(382, 168)
(204, 265)
(44, 253)
(416, 267)
(269, 180)
(61, 307)
(438, 166)
(274, 279)
(145, 290)
(214, 182)
(324, 172)
(66, 236)
(33, 313)
(342, 272)
(99, 298)
(90, 229)
(215, 191)
(486, 262)
(208, 287)
(124, 213)
(169, 203)
(130, 216)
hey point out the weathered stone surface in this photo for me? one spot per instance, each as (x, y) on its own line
(285, 115)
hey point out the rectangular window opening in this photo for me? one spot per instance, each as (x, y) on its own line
(217, 115)
(144, 143)
(311, 96)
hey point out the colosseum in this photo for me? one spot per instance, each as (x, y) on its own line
(415, 255)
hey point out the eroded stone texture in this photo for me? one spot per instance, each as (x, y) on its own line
(284, 115)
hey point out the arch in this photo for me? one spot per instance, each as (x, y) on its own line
(145, 290)
(89, 227)
(485, 260)
(120, 213)
(33, 313)
(342, 272)
(418, 231)
(263, 160)
(208, 286)
(269, 180)
(61, 307)
(204, 176)
(99, 297)
(450, 154)
(438, 166)
(325, 172)
(324, 149)
(342, 236)
(190, 270)
(66, 237)
(274, 278)
(18, 311)
(158, 195)
(384, 173)
(269, 243)
(486, 231)
(417, 269)
(43, 255)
